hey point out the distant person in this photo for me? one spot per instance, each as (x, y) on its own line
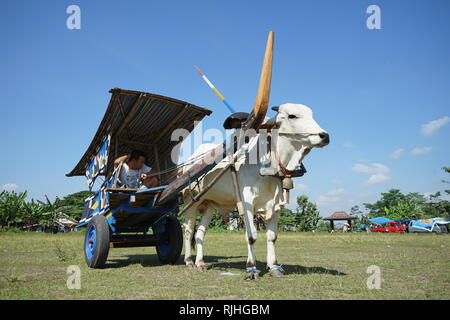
(135, 173)
(346, 227)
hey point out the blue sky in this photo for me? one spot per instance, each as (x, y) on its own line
(372, 90)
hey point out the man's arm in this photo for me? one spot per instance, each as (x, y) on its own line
(150, 181)
(119, 160)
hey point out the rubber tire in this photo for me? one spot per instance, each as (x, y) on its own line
(443, 228)
(101, 251)
(175, 233)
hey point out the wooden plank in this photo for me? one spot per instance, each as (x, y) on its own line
(136, 143)
(124, 190)
(232, 159)
(130, 114)
(190, 176)
(156, 161)
(172, 123)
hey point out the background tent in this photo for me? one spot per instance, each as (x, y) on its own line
(380, 220)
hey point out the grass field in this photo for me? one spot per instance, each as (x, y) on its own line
(318, 266)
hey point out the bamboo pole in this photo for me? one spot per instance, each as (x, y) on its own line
(212, 182)
(237, 192)
(155, 150)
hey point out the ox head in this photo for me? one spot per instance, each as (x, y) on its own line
(296, 120)
(298, 133)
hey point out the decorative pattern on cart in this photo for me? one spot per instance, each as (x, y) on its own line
(98, 163)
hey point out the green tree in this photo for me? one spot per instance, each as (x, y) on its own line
(404, 209)
(324, 226)
(361, 218)
(50, 212)
(287, 219)
(306, 215)
(396, 204)
(11, 208)
(437, 207)
(73, 204)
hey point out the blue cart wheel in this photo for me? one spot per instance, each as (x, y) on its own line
(96, 242)
(171, 244)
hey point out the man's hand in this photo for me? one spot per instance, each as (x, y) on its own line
(143, 176)
(120, 159)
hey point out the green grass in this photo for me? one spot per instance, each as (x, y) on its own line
(318, 266)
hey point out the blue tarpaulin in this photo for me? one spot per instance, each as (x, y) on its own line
(380, 220)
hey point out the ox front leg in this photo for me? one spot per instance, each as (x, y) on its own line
(200, 237)
(271, 235)
(189, 226)
(251, 235)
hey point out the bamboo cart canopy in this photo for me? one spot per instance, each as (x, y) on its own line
(144, 121)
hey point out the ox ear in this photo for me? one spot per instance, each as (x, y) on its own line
(275, 108)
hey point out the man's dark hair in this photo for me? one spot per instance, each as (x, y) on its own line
(136, 154)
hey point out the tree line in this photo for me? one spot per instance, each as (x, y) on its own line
(17, 212)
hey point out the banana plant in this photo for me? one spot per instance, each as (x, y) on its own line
(11, 208)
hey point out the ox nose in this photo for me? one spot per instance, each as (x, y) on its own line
(325, 137)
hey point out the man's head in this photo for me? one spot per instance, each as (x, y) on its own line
(136, 160)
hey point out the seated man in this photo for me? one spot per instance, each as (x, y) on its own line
(134, 171)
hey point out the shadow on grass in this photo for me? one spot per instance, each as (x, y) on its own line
(289, 269)
(218, 263)
(152, 260)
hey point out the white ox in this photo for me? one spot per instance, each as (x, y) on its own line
(299, 133)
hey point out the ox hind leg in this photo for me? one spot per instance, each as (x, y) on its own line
(189, 226)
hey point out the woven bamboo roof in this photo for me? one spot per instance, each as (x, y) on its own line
(144, 121)
(340, 215)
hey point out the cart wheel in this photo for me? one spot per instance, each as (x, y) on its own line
(169, 249)
(96, 242)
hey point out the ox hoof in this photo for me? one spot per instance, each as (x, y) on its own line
(190, 265)
(251, 274)
(276, 272)
(202, 268)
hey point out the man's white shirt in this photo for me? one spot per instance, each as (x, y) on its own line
(132, 177)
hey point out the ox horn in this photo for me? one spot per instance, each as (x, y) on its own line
(262, 98)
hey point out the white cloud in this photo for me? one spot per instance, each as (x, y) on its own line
(336, 192)
(336, 181)
(330, 196)
(348, 145)
(419, 151)
(397, 153)
(371, 169)
(377, 178)
(429, 128)
(378, 172)
(10, 187)
(301, 187)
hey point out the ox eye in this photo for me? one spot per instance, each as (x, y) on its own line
(292, 116)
